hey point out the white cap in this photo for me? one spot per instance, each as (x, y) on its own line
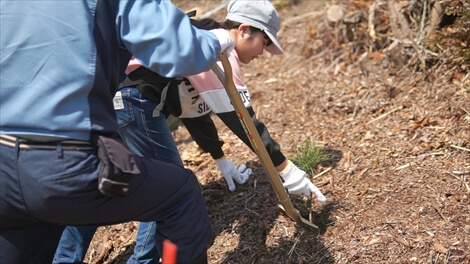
(258, 14)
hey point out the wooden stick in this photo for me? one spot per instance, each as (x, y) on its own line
(371, 27)
(296, 18)
(321, 173)
(420, 33)
(403, 166)
(213, 11)
(461, 148)
(107, 246)
(384, 115)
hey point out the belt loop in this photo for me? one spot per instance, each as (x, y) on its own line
(17, 147)
(60, 151)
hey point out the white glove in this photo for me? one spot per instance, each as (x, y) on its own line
(297, 182)
(226, 41)
(230, 172)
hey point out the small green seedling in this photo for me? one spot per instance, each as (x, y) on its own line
(307, 158)
(309, 155)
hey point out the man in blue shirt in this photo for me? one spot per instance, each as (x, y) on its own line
(61, 62)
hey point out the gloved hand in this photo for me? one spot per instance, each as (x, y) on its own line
(226, 41)
(297, 182)
(230, 172)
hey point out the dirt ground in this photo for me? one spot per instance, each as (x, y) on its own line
(398, 132)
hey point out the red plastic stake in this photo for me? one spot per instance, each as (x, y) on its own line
(169, 252)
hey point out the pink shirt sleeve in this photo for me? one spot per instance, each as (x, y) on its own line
(133, 64)
(208, 81)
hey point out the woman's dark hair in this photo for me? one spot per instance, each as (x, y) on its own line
(229, 24)
(209, 23)
(206, 23)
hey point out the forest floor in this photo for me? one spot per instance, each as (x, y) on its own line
(398, 176)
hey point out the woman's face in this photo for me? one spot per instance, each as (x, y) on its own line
(249, 44)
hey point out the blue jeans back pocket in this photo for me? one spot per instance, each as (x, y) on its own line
(125, 115)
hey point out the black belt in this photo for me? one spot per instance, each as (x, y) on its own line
(10, 141)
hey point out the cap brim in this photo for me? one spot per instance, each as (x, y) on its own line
(275, 48)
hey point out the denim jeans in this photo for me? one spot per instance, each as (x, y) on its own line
(146, 136)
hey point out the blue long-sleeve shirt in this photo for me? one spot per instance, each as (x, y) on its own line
(61, 61)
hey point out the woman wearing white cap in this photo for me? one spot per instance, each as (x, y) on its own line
(253, 26)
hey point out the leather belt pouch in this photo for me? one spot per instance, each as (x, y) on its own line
(117, 165)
